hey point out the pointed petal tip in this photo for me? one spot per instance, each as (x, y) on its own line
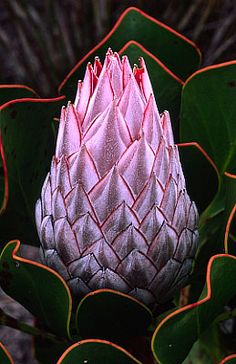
(109, 51)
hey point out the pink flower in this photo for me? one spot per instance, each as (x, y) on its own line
(114, 211)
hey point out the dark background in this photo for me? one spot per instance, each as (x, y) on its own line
(41, 40)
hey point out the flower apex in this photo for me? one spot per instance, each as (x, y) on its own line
(109, 52)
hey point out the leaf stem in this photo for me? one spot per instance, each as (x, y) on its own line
(7, 320)
(225, 316)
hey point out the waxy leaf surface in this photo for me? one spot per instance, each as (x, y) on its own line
(231, 359)
(195, 163)
(176, 52)
(7, 93)
(176, 334)
(38, 288)
(166, 85)
(111, 315)
(96, 351)
(28, 144)
(230, 211)
(208, 113)
(12, 92)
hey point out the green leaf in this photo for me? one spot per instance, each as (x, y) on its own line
(111, 315)
(176, 334)
(230, 208)
(208, 113)
(96, 351)
(198, 355)
(3, 180)
(195, 163)
(5, 357)
(231, 359)
(212, 343)
(178, 53)
(47, 351)
(12, 92)
(38, 288)
(166, 86)
(28, 143)
(7, 93)
(214, 222)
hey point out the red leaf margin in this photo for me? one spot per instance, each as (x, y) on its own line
(68, 350)
(157, 60)
(192, 305)
(19, 86)
(30, 99)
(208, 68)
(117, 293)
(228, 358)
(230, 218)
(2, 154)
(113, 30)
(204, 153)
(6, 352)
(41, 266)
(5, 177)
(203, 70)
(209, 266)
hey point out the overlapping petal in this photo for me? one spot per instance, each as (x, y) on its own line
(114, 211)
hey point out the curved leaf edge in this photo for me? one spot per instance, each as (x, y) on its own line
(207, 68)
(204, 214)
(6, 352)
(30, 99)
(98, 341)
(114, 29)
(208, 213)
(204, 153)
(5, 177)
(228, 358)
(115, 293)
(19, 86)
(230, 218)
(2, 154)
(41, 266)
(192, 305)
(156, 59)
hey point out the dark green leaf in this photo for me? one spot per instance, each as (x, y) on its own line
(108, 314)
(12, 92)
(48, 352)
(176, 52)
(7, 93)
(176, 334)
(212, 230)
(208, 113)
(5, 357)
(28, 143)
(167, 87)
(198, 355)
(231, 359)
(96, 351)
(38, 288)
(201, 176)
(229, 216)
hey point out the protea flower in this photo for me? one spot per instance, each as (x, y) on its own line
(114, 211)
